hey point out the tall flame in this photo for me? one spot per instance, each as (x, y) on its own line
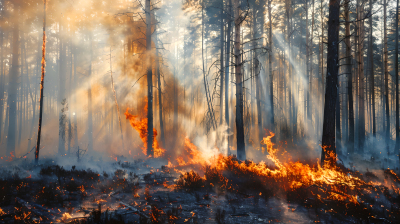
(140, 125)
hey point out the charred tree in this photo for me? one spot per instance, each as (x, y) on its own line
(41, 84)
(150, 151)
(328, 132)
(241, 151)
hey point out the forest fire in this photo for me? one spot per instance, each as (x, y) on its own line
(206, 80)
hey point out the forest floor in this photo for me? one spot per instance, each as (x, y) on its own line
(136, 192)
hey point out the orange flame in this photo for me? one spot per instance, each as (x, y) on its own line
(342, 185)
(140, 125)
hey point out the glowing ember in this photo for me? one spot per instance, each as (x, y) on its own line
(65, 217)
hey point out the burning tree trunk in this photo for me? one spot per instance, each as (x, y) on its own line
(41, 84)
(241, 151)
(13, 86)
(328, 132)
(227, 66)
(149, 82)
(350, 144)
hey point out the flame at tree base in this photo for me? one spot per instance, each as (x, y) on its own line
(140, 125)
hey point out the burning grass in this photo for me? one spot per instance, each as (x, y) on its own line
(330, 185)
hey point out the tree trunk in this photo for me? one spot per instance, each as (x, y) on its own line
(350, 144)
(328, 132)
(160, 107)
(221, 90)
(386, 72)
(361, 110)
(271, 77)
(2, 81)
(396, 72)
(150, 136)
(241, 151)
(116, 104)
(13, 86)
(90, 115)
(307, 116)
(371, 70)
(227, 67)
(41, 84)
(76, 140)
(61, 93)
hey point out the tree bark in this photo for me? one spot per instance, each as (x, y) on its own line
(241, 151)
(221, 90)
(371, 70)
(386, 72)
(396, 72)
(271, 77)
(361, 110)
(328, 132)
(150, 151)
(227, 72)
(350, 144)
(41, 84)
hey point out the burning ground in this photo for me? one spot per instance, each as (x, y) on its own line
(197, 188)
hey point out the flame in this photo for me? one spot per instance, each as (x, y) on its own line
(288, 175)
(193, 157)
(65, 217)
(2, 212)
(30, 176)
(140, 125)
